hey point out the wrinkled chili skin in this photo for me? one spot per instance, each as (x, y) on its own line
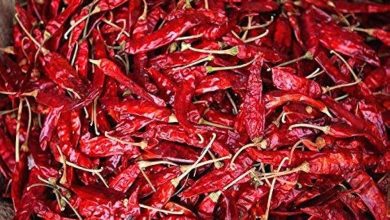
(133, 109)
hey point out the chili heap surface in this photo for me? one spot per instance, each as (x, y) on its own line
(197, 109)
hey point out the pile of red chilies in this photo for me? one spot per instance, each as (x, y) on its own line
(202, 109)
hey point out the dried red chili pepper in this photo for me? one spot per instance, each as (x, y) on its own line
(335, 38)
(158, 38)
(285, 79)
(252, 114)
(369, 193)
(112, 70)
(194, 78)
(278, 98)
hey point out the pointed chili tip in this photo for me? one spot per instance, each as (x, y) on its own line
(96, 62)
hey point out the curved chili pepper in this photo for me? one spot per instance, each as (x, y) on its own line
(330, 210)
(202, 61)
(111, 69)
(252, 112)
(275, 99)
(376, 79)
(212, 181)
(137, 107)
(350, 44)
(103, 147)
(380, 34)
(282, 36)
(183, 102)
(171, 151)
(294, 23)
(208, 204)
(123, 181)
(284, 79)
(330, 69)
(81, 63)
(159, 38)
(354, 203)
(253, 6)
(367, 190)
(62, 73)
(54, 25)
(220, 81)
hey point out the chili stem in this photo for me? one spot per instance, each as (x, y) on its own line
(94, 117)
(293, 149)
(214, 196)
(161, 210)
(145, 11)
(18, 122)
(8, 50)
(176, 181)
(74, 25)
(203, 121)
(95, 172)
(76, 50)
(5, 112)
(324, 129)
(346, 64)
(25, 144)
(201, 138)
(235, 109)
(314, 74)
(248, 26)
(272, 189)
(328, 89)
(63, 161)
(206, 4)
(368, 31)
(238, 179)
(188, 4)
(142, 144)
(72, 207)
(143, 164)
(283, 118)
(208, 58)
(216, 163)
(261, 145)
(26, 32)
(257, 37)
(341, 97)
(189, 37)
(267, 23)
(186, 167)
(231, 51)
(211, 69)
(148, 180)
(172, 119)
(307, 55)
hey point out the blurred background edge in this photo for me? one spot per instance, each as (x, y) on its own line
(6, 18)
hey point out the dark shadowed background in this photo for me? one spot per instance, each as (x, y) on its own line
(6, 16)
